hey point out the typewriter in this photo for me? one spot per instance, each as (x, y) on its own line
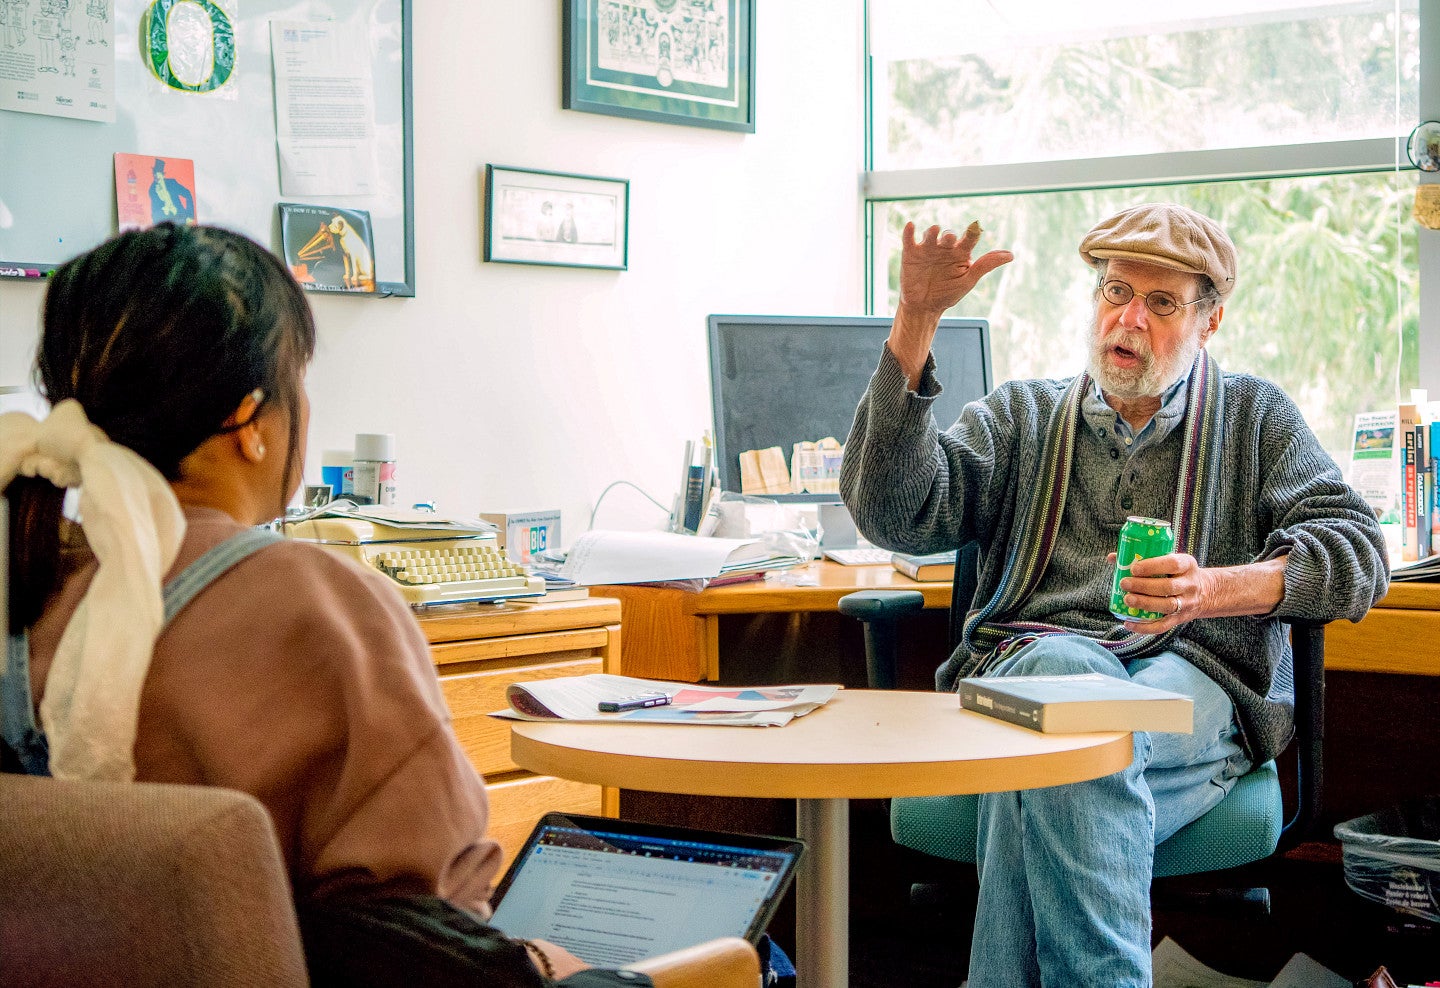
(443, 564)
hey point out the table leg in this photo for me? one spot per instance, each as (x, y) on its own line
(822, 901)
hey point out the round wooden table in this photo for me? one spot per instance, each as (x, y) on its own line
(863, 744)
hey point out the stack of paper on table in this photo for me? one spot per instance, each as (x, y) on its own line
(650, 557)
(577, 698)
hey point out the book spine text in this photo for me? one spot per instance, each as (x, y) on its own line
(1001, 707)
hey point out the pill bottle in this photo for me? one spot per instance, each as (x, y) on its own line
(337, 468)
(374, 468)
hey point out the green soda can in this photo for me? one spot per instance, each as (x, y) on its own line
(1140, 538)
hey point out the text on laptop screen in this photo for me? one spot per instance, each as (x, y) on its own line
(613, 899)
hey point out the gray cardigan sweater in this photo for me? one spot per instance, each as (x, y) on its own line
(913, 488)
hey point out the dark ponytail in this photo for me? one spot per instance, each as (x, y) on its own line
(159, 334)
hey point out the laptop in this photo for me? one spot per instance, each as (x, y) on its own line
(613, 892)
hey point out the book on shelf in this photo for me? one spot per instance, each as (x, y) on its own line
(1423, 492)
(1409, 422)
(1377, 461)
(696, 481)
(694, 493)
(1077, 703)
(1430, 485)
(578, 698)
(931, 568)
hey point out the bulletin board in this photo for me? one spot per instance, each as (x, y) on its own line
(57, 175)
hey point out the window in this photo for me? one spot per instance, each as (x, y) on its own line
(1278, 120)
(977, 83)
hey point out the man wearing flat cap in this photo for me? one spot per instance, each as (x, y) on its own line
(1042, 475)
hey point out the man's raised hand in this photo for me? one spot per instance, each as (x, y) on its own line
(937, 271)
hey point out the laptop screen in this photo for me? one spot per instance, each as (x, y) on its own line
(613, 892)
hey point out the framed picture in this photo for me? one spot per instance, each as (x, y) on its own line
(676, 61)
(534, 217)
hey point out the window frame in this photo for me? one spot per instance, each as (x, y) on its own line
(883, 187)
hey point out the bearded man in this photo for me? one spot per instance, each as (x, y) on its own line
(1042, 474)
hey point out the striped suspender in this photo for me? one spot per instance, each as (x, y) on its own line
(986, 629)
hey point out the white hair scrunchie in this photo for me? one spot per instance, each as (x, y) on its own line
(134, 526)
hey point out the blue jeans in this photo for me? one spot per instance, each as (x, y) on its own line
(1065, 870)
(17, 711)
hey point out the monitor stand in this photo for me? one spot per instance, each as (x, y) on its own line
(837, 528)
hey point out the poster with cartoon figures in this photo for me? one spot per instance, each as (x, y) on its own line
(150, 190)
(57, 57)
(671, 42)
(328, 249)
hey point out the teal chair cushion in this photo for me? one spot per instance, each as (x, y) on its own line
(1242, 827)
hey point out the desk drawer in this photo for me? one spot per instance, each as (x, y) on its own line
(472, 697)
(516, 805)
(574, 643)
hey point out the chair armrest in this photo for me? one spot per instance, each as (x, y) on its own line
(728, 962)
(881, 610)
(1307, 648)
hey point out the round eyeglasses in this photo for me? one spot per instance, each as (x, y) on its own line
(1159, 303)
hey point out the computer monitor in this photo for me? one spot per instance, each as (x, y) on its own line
(779, 380)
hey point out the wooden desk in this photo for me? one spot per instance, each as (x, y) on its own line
(863, 744)
(479, 651)
(1401, 634)
(673, 634)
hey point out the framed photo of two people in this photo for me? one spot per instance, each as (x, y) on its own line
(575, 221)
(676, 61)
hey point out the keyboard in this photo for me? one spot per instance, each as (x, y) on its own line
(453, 571)
(862, 556)
(430, 564)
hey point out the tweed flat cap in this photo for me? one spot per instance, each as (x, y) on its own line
(1168, 235)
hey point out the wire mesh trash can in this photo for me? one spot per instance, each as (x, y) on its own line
(1393, 856)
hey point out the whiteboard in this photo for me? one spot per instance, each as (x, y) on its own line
(57, 175)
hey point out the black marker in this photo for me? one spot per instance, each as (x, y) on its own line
(634, 703)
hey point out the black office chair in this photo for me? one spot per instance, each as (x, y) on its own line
(1246, 826)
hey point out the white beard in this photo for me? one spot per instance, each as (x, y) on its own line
(1151, 378)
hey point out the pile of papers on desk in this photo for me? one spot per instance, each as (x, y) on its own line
(1421, 569)
(601, 557)
(577, 698)
(395, 517)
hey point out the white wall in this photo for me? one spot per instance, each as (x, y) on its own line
(513, 386)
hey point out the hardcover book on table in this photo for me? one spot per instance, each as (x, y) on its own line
(1077, 704)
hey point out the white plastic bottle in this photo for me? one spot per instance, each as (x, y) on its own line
(374, 468)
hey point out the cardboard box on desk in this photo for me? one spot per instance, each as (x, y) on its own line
(525, 533)
(763, 471)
